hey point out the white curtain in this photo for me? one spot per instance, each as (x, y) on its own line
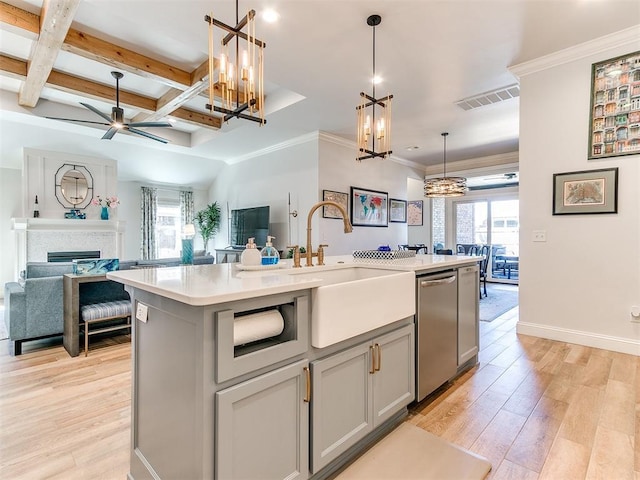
(186, 207)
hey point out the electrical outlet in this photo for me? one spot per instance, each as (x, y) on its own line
(539, 235)
(141, 312)
(635, 313)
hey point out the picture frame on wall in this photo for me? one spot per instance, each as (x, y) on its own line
(414, 212)
(614, 116)
(369, 208)
(397, 210)
(585, 192)
(341, 198)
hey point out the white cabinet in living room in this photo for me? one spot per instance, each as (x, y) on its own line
(263, 426)
(358, 389)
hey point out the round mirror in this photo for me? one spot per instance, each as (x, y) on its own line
(74, 187)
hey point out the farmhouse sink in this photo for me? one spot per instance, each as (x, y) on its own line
(356, 300)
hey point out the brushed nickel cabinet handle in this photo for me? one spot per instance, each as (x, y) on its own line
(307, 373)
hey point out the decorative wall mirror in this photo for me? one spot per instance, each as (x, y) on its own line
(74, 186)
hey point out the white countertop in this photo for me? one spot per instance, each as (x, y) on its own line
(212, 284)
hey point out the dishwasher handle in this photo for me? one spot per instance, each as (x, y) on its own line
(440, 281)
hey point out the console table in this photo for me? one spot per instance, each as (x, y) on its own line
(228, 255)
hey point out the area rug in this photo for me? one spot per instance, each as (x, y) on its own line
(411, 453)
(3, 328)
(500, 299)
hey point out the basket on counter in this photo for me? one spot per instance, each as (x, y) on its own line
(383, 255)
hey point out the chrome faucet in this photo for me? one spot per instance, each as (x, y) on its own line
(347, 229)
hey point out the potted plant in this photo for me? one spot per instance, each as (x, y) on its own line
(208, 222)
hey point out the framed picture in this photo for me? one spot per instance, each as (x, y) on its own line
(414, 212)
(368, 208)
(397, 210)
(614, 117)
(329, 211)
(586, 192)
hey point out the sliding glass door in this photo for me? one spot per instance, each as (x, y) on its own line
(495, 223)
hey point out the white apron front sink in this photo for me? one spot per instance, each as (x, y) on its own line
(356, 300)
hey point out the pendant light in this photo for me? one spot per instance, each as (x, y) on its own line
(445, 186)
(374, 126)
(240, 79)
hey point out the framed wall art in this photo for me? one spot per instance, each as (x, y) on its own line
(614, 126)
(369, 208)
(414, 212)
(342, 199)
(397, 210)
(585, 192)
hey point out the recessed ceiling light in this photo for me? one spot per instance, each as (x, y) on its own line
(270, 15)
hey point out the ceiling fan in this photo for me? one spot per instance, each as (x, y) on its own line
(116, 120)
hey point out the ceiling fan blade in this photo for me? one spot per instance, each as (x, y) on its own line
(145, 134)
(74, 120)
(150, 124)
(98, 112)
(110, 133)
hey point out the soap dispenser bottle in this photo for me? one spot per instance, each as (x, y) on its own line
(270, 255)
(251, 255)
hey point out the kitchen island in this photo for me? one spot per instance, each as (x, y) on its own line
(207, 404)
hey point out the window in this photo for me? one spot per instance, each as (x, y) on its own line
(168, 233)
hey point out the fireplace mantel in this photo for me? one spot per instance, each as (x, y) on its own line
(34, 237)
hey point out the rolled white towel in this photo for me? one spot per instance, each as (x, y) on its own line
(257, 326)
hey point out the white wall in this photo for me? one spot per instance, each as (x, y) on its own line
(10, 207)
(270, 179)
(580, 284)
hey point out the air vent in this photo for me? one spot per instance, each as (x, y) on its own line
(488, 98)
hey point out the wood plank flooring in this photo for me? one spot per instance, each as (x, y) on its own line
(537, 409)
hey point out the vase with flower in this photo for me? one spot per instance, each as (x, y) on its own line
(105, 204)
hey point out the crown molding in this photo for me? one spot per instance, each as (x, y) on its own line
(308, 137)
(629, 36)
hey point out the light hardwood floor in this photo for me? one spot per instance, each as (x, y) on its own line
(537, 409)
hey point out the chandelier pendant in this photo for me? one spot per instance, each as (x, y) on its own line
(239, 84)
(373, 125)
(445, 186)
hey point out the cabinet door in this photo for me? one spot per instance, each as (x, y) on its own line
(341, 403)
(468, 293)
(394, 379)
(263, 427)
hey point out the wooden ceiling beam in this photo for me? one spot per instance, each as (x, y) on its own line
(55, 21)
(80, 86)
(19, 18)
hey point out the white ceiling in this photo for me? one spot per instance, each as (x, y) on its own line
(318, 58)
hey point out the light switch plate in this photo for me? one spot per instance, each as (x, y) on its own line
(539, 235)
(141, 312)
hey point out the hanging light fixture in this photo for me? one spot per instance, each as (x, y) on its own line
(445, 186)
(240, 81)
(374, 127)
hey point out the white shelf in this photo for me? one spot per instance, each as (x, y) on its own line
(67, 224)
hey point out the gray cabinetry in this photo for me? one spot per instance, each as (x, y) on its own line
(263, 426)
(358, 389)
(468, 292)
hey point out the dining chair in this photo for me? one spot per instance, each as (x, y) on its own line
(444, 251)
(423, 248)
(474, 250)
(485, 250)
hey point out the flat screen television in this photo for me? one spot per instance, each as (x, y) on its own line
(247, 223)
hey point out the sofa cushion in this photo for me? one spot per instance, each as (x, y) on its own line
(48, 269)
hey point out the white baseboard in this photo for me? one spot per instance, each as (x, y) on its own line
(606, 342)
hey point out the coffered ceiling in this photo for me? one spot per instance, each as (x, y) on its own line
(430, 54)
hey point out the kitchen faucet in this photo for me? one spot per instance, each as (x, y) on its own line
(347, 229)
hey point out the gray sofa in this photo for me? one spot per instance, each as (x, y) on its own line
(34, 306)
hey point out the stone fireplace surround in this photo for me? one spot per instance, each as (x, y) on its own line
(35, 237)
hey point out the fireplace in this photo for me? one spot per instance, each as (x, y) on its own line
(69, 256)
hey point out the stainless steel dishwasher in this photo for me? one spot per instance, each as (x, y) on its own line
(437, 330)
